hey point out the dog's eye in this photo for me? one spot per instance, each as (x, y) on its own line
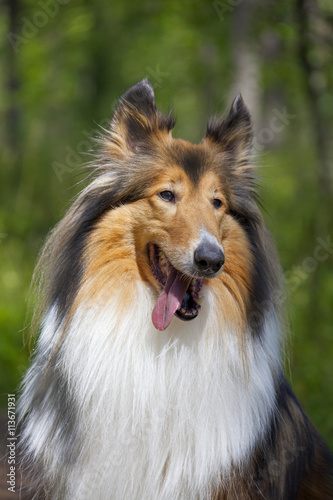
(217, 203)
(167, 196)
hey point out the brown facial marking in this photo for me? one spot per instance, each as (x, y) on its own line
(117, 249)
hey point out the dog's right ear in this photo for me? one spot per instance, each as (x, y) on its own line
(136, 119)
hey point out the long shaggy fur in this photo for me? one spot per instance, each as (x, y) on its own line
(113, 409)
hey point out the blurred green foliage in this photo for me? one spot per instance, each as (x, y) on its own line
(65, 64)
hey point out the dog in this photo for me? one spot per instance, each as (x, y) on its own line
(157, 371)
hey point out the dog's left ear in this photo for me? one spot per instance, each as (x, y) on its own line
(234, 133)
(136, 119)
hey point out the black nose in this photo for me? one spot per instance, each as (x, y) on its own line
(208, 258)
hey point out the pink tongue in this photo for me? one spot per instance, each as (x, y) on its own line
(170, 300)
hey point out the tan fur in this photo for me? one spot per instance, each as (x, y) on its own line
(117, 248)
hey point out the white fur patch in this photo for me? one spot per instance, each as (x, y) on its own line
(160, 415)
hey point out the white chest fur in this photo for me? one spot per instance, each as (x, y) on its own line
(161, 415)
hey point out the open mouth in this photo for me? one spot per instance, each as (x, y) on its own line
(180, 293)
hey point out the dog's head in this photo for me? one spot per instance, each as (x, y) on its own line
(184, 216)
(196, 209)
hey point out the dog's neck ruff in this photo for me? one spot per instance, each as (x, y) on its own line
(161, 415)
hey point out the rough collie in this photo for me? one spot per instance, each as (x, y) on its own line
(157, 372)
